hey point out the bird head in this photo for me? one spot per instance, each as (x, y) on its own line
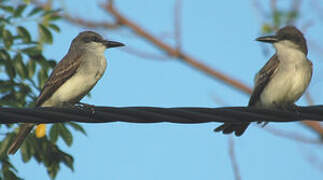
(287, 37)
(92, 41)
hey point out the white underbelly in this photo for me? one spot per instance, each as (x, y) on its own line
(287, 85)
(75, 88)
(71, 91)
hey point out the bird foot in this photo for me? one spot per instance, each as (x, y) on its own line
(86, 107)
(262, 123)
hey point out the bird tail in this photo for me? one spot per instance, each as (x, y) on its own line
(228, 128)
(24, 130)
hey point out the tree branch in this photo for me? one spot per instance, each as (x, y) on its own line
(91, 24)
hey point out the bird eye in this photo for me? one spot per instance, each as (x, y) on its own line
(86, 39)
(95, 39)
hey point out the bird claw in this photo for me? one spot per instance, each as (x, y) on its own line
(86, 107)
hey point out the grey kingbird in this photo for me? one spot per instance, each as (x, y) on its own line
(72, 78)
(283, 79)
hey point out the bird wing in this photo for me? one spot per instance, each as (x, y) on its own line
(61, 73)
(262, 79)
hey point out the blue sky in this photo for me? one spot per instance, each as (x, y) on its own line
(220, 34)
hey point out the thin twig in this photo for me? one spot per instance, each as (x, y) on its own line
(308, 98)
(292, 136)
(177, 24)
(91, 24)
(233, 159)
(313, 159)
(143, 54)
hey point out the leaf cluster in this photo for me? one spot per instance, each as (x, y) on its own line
(24, 70)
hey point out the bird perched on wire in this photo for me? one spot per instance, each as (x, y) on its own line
(283, 79)
(72, 78)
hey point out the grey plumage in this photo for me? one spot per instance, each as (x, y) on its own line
(72, 78)
(282, 80)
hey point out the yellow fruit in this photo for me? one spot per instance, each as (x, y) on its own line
(40, 130)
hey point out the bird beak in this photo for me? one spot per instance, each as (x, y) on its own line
(112, 44)
(268, 39)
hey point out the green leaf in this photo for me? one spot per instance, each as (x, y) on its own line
(51, 12)
(42, 78)
(32, 51)
(68, 161)
(4, 145)
(266, 28)
(52, 170)
(65, 134)
(54, 27)
(53, 133)
(54, 17)
(10, 70)
(19, 10)
(7, 8)
(4, 55)
(31, 68)
(77, 127)
(52, 63)
(24, 34)
(26, 150)
(35, 11)
(20, 67)
(291, 16)
(277, 15)
(45, 34)
(7, 174)
(5, 20)
(6, 164)
(6, 86)
(24, 88)
(7, 37)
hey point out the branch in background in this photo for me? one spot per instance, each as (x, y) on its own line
(292, 136)
(273, 5)
(142, 54)
(309, 98)
(313, 159)
(233, 159)
(91, 24)
(177, 25)
(316, 126)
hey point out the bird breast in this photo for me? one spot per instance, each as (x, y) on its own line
(288, 83)
(91, 69)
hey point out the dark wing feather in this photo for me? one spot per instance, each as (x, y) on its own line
(262, 79)
(62, 72)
